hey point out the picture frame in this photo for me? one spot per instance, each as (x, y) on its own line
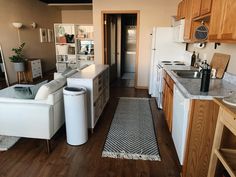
(43, 35)
(50, 35)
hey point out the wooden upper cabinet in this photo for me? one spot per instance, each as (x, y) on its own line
(229, 21)
(196, 8)
(188, 20)
(205, 7)
(216, 18)
(223, 21)
(181, 10)
(201, 7)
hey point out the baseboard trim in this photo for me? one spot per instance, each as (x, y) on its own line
(141, 87)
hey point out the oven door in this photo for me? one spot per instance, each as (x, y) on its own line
(159, 86)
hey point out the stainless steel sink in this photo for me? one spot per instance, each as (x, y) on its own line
(193, 74)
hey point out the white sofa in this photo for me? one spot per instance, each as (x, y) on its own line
(31, 118)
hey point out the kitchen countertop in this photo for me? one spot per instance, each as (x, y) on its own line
(190, 88)
(89, 72)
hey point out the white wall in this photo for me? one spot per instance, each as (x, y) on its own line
(152, 13)
(209, 50)
(77, 16)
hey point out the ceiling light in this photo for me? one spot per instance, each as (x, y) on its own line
(17, 25)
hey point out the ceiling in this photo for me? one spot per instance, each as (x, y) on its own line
(66, 1)
(70, 4)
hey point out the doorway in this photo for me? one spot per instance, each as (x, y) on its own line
(120, 46)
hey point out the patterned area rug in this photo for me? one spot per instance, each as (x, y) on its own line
(131, 135)
(6, 142)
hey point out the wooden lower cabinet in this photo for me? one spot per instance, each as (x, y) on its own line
(168, 100)
(202, 123)
(202, 118)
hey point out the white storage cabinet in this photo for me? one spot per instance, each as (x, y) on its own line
(95, 78)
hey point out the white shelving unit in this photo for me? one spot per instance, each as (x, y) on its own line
(85, 45)
(74, 45)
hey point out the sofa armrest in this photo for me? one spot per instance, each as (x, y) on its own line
(15, 100)
(32, 120)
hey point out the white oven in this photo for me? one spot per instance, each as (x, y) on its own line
(159, 86)
(180, 122)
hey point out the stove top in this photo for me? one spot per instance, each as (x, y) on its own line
(165, 61)
(174, 62)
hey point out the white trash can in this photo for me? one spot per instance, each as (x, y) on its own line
(75, 103)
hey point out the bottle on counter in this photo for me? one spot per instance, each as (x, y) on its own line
(193, 58)
(206, 76)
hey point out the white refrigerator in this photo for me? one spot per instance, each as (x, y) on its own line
(163, 49)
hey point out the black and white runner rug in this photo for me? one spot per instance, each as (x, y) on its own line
(131, 135)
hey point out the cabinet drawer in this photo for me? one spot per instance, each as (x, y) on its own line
(35, 63)
(95, 88)
(97, 109)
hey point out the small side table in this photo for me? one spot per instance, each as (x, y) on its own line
(227, 156)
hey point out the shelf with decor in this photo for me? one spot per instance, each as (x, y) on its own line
(74, 45)
(85, 45)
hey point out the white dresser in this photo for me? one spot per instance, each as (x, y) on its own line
(34, 69)
(96, 80)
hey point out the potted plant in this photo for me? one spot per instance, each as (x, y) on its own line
(18, 59)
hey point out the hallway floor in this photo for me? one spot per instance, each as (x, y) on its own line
(28, 158)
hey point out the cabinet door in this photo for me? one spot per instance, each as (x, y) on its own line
(181, 10)
(170, 109)
(216, 19)
(205, 7)
(164, 103)
(196, 8)
(229, 21)
(188, 20)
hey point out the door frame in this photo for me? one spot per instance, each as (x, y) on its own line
(137, 12)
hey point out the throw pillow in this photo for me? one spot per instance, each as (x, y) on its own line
(49, 88)
(24, 92)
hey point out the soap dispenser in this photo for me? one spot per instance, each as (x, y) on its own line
(206, 76)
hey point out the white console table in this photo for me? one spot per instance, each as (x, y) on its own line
(96, 80)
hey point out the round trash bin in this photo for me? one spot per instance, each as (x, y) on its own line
(75, 103)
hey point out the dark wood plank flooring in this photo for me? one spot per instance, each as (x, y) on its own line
(28, 158)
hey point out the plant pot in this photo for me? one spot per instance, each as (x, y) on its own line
(19, 67)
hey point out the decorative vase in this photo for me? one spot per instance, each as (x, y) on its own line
(19, 67)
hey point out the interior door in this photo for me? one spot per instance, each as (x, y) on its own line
(110, 44)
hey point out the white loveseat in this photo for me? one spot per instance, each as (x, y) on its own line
(34, 118)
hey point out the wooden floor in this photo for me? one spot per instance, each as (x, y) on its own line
(28, 158)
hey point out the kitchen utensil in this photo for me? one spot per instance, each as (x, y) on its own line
(220, 62)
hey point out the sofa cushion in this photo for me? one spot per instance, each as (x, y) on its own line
(49, 88)
(70, 73)
(27, 92)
